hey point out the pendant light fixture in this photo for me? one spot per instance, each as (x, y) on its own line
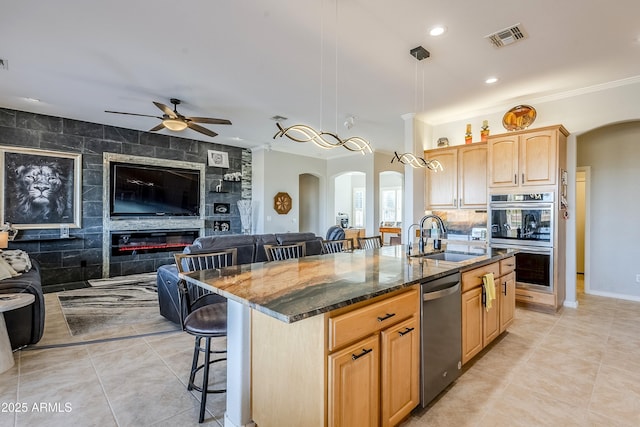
(416, 162)
(326, 140)
(411, 159)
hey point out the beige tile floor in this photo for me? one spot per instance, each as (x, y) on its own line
(574, 368)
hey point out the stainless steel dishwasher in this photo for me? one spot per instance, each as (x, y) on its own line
(441, 341)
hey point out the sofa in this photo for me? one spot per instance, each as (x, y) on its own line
(250, 249)
(25, 325)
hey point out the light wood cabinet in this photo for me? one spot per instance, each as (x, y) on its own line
(525, 158)
(463, 181)
(355, 366)
(479, 325)
(507, 287)
(400, 388)
(394, 321)
(354, 378)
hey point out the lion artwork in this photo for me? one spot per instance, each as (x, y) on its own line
(40, 192)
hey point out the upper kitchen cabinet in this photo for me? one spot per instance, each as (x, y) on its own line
(525, 158)
(462, 184)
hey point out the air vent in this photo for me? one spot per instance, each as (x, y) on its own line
(507, 36)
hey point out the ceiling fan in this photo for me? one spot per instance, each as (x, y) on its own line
(175, 121)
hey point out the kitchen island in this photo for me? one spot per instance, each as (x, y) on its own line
(286, 325)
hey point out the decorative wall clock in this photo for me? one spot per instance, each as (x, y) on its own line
(282, 203)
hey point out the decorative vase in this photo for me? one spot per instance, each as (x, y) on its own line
(467, 135)
(484, 131)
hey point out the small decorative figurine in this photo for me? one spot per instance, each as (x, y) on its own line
(467, 135)
(484, 131)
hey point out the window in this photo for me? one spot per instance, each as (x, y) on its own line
(391, 204)
(358, 207)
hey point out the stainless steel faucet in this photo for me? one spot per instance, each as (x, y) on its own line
(410, 239)
(422, 243)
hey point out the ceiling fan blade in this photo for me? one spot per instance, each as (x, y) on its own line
(168, 111)
(157, 128)
(201, 129)
(209, 120)
(132, 114)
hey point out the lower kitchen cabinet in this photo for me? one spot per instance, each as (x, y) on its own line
(400, 388)
(479, 325)
(354, 384)
(355, 366)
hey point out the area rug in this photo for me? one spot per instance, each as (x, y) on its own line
(111, 303)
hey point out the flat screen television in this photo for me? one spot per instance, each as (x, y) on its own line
(143, 190)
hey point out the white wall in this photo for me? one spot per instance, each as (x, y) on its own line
(274, 172)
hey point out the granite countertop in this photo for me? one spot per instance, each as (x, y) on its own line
(296, 289)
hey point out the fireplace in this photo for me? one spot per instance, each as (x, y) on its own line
(131, 243)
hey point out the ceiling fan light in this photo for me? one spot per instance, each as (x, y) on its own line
(174, 124)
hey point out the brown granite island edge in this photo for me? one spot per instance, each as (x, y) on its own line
(297, 289)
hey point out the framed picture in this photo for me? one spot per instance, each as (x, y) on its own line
(221, 208)
(40, 189)
(221, 225)
(218, 159)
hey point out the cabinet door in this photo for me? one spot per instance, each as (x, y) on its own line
(471, 323)
(507, 300)
(354, 385)
(538, 158)
(503, 161)
(491, 318)
(400, 371)
(472, 177)
(442, 186)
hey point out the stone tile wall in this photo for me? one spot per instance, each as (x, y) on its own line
(81, 258)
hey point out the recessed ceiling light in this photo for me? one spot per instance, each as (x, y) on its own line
(438, 30)
(491, 80)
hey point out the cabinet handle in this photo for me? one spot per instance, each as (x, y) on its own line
(510, 265)
(522, 177)
(358, 356)
(505, 288)
(484, 298)
(515, 178)
(406, 331)
(388, 316)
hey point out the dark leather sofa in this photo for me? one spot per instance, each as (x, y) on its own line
(25, 325)
(250, 249)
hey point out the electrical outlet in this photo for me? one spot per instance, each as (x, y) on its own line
(4, 64)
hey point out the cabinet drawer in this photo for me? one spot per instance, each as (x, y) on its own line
(361, 322)
(473, 278)
(534, 297)
(507, 265)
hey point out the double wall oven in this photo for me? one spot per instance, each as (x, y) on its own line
(526, 222)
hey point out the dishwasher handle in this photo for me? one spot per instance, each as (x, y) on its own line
(452, 289)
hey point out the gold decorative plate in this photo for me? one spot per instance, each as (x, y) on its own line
(282, 203)
(519, 117)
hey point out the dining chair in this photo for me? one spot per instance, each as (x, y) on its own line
(203, 317)
(370, 242)
(335, 246)
(283, 252)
